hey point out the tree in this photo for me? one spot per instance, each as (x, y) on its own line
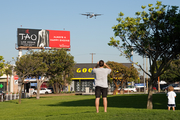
(8, 71)
(40, 72)
(122, 74)
(60, 67)
(154, 34)
(175, 66)
(63, 72)
(172, 73)
(1, 65)
(29, 66)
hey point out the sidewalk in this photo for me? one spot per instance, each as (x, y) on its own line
(93, 93)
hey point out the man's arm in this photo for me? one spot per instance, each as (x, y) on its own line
(96, 65)
(107, 66)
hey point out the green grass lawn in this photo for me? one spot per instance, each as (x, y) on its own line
(124, 107)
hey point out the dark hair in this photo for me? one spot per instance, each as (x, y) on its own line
(101, 63)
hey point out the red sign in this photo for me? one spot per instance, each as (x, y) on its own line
(16, 77)
(59, 39)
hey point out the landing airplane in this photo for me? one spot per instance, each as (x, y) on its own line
(91, 15)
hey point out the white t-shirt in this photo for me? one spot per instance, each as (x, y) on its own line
(171, 97)
(101, 76)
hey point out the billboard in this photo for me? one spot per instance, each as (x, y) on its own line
(43, 38)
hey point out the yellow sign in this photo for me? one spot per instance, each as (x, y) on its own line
(84, 70)
(78, 70)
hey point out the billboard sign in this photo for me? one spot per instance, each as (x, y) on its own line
(43, 38)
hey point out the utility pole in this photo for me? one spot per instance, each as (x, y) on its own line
(92, 56)
(159, 89)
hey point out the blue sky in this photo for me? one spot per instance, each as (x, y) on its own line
(87, 35)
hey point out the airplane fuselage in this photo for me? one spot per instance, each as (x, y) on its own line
(92, 15)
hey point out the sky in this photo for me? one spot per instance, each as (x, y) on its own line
(86, 35)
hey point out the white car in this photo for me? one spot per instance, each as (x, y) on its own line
(42, 91)
(130, 89)
(177, 88)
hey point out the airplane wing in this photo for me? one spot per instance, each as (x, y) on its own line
(97, 14)
(85, 14)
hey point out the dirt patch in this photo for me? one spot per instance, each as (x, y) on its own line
(59, 94)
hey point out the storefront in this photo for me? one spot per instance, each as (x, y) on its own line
(3, 83)
(83, 78)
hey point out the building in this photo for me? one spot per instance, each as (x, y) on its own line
(3, 83)
(12, 84)
(83, 78)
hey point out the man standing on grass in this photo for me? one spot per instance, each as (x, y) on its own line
(101, 83)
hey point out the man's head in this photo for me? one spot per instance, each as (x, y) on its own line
(101, 63)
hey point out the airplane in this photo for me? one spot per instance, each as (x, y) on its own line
(91, 15)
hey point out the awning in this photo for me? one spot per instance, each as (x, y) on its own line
(3, 80)
(82, 78)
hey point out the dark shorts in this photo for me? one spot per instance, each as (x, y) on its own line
(171, 105)
(99, 90)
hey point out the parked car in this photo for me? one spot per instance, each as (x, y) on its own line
(43, 91)
(176, 87)
(51, 89)
(130, 89)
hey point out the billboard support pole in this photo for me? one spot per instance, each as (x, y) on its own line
(20, 53)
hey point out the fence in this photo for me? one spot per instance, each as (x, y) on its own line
(10, 96)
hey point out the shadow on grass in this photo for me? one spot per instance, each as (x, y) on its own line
(124, 101)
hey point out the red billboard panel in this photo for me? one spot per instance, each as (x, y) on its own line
(59, 39)
(43, 38)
